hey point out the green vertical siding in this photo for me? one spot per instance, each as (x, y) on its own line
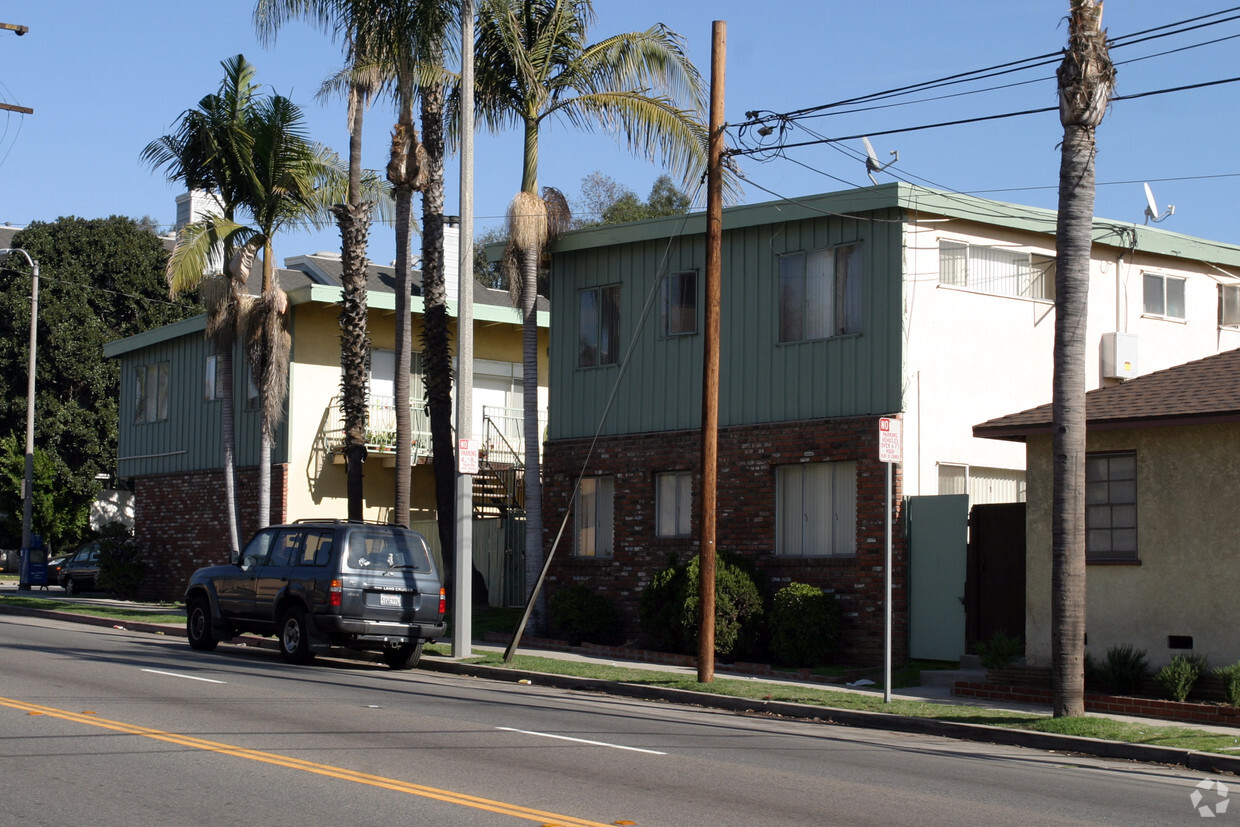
(189, 439)
(760, 379)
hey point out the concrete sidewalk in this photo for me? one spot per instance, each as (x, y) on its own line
(936, 688)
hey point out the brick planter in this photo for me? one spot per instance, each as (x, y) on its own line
(1187, 711)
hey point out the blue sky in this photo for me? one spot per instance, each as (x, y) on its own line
(104, 79)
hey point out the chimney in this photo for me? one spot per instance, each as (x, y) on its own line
(193, 205)
(451, 256)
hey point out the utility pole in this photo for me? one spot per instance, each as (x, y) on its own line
(710, 368)
(19, 30)
(462, 590)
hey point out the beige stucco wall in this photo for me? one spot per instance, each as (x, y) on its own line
(316, 482)
(1188, 496)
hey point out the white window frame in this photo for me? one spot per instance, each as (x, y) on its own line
(998, 271)
(673, 495)
(1229, 305)
(816, 509)
(151, 403)
(594, 518)
(820, 293)
(1157, 299)
(679, 302)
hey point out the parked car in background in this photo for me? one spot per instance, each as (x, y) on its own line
(81, 571)
(54, 565)
(318, 584)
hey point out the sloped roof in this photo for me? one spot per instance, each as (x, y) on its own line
(1204, 391)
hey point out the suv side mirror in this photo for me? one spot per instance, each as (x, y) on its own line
(235, 558)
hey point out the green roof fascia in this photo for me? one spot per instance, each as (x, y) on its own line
(912, 200)
(327, 294)
(155, 336)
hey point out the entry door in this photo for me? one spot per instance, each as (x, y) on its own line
(938, 552)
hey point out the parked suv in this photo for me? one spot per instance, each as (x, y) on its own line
(318, 584)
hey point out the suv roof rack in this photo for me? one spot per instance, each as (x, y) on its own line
(340, 521)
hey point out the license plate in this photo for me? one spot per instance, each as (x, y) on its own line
(389, 600)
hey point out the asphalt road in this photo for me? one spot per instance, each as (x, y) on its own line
(103, 726)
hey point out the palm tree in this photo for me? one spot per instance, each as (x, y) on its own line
(1086, 79)
(534, 62)
(279, 178)
(351, 19)
(202, 155)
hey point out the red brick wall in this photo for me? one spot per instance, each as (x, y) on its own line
(746, 518)
(181, 522)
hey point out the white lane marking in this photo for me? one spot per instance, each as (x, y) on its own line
(179, 675)
(580, 740)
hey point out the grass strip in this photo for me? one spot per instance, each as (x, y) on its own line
(121, 613)
(1088, 727)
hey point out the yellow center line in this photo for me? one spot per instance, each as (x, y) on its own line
(393, 784)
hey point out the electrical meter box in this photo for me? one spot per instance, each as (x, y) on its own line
(1119, 356)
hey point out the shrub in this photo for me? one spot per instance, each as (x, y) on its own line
(804, 623)
(582, 614)
(1177, 678)
(669, 607)
(999, 650)
(121, 567)
(1230, 676)
(1123, 669)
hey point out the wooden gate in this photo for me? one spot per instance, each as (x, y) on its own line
(994, 595)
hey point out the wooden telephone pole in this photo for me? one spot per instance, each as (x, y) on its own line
(710, 371)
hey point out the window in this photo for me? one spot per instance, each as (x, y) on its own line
(151, 393)
(679, 304)
(213, 384)
(1111, 506)
(1229, 305)
(598, 337)
(1163, 296)
(816, 509)
(996, 270)
(820, 293)
(593, 534)
(673, 493)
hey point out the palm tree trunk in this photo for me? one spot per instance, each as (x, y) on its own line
(437, 359)
(228, 436)
(533, 437)
(352, 218)
(1086, 78)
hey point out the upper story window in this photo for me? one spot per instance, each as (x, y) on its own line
(213, 379)
(996, 270)
(151, 393)
(1229, 305)
(1111, 506)
(679, 304)
(1163, 295)
(820, 293)
(598, 331)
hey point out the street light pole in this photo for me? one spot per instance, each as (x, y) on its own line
(28, 482)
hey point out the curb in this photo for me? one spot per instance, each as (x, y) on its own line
(883, 721)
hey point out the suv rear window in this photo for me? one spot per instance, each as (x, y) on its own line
(371, 550)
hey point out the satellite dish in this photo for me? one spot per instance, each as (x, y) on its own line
(872, 164)
(1151, 207)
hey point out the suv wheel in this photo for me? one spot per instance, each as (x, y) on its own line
(405, 657)
(198, 625)
(294, 637)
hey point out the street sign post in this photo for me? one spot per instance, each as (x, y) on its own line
(890, 451)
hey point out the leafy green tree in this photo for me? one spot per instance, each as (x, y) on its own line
(100, 280)
(613, 203)
(57, 515)
(534, 62)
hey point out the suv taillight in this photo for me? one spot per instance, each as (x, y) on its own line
(335, 592)
(443, 601)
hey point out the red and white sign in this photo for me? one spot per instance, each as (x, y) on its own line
(890, 440)
(467, 456)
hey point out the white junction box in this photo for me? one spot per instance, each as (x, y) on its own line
(1119, 356)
